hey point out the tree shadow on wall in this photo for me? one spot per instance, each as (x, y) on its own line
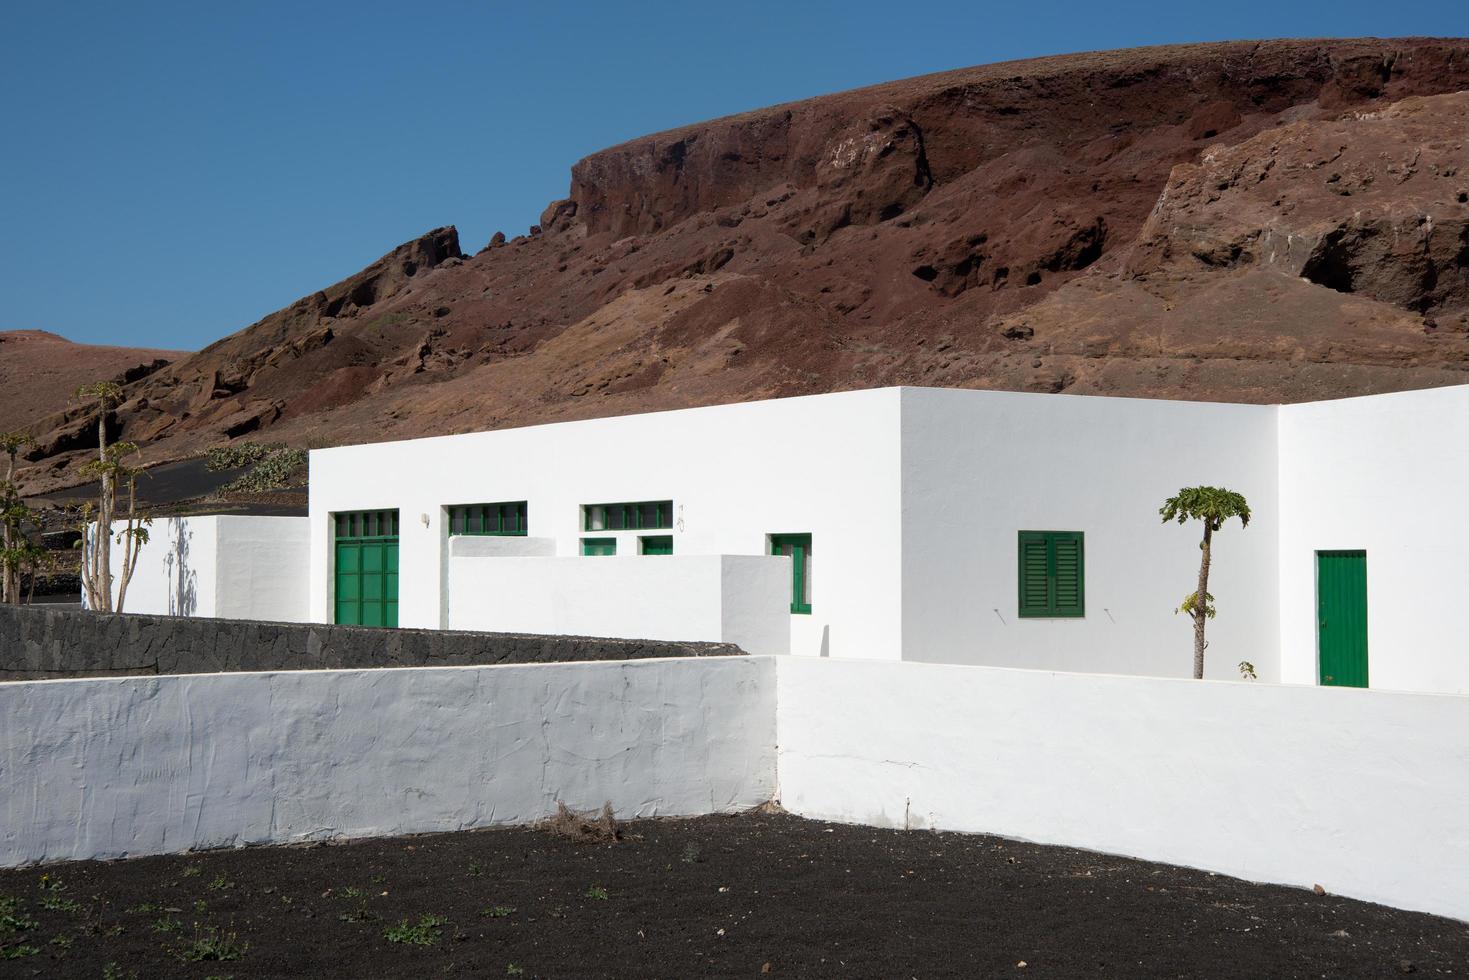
(183, 579)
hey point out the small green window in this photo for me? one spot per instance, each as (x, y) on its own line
(658, 544)
(593, 547)
(797, 547)
(1052, 574)
(653, 515)
(506, 519)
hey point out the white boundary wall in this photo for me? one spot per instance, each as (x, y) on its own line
(740, 599)
(1363, 792)
(221, 565)
(116, 767)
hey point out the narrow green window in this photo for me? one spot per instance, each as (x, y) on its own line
(797, 547)
(598, 546)
(655, 515)
(657, 544)
(1052, 574)
(507, 519)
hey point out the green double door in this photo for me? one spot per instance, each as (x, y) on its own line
(1341, 617)
(366, 569)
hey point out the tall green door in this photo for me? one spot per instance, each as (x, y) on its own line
(1341, 617)
(366, 568)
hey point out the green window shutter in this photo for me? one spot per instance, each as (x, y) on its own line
(1067, 574)
(659, 544)
(797, 547)
(598, 547)
(1052, 574)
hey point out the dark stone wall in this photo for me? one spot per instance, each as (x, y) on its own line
(37, 642)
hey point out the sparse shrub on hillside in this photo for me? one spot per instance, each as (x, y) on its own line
(275, 466)
(222, 458)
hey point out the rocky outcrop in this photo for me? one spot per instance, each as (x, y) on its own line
(1259, 221)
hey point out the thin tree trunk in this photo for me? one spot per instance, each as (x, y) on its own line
(1201, 603)
(9, 579)
(104, 519)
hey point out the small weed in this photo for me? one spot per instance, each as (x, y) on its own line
(360, 914)
(16, 952)
(498, 911)
(55, 903)
(379, 879)
(200, 906)
(597, 892)
(212, 944)
(166, 924)
(690, 854)
(53, 886)
(145, 909)
(557, 913)
(114, 972)
(427, 931)
(193, 871)
(220, 976)
(220, 883)
(352, 892)
(62, 942)
(514, 971)
(476, 870)
(13, 917)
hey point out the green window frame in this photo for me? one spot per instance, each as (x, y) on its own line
(647, 515)
(1052, 574)
(358, 524)
(797, 547)
(500, 520)
(598, 547)
(656, 544)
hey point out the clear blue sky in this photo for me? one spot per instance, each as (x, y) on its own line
(171, 172)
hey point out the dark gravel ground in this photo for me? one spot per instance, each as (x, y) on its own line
(744, 896)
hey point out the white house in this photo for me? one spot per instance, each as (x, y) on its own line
(956, 526)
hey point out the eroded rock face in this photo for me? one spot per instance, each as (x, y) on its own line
(1254, 221)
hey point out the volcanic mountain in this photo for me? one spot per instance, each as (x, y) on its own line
(1271, 221)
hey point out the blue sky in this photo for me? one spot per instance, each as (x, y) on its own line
(172, 172)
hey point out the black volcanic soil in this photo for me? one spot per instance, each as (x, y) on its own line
(741, 896)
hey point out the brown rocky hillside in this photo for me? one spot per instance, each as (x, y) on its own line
(39, 371)
(1268, 221)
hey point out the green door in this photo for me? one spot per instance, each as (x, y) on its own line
(366, 569)
(1341, 617)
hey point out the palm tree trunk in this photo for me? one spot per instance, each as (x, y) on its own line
(1201, 603)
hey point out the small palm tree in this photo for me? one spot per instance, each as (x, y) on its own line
(1213, 506)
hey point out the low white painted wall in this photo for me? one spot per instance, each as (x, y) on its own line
(117, 767)
(221, 565)
(1363, 792)
(742, 599)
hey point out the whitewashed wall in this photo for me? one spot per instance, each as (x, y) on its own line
(826, 464)
(216, 565)
(1384, 474)
(741, 599)
(1363, 792)
(978, 467)
(119, 767)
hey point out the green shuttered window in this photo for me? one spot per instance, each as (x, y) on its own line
(657, 544)
(505, 520)
(1052, 574)
(598, 547)
(647, 516)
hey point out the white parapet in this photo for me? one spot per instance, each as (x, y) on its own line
(232, 567)
(740, 599)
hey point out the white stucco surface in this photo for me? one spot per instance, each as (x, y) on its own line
(1363, 792)
(116, 767)
(1368, 474)
(978, 467)
(219, 565)
(825, 465)
(741, 599)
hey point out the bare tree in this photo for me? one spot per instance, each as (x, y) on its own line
(111, 472)
(1213, 506)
